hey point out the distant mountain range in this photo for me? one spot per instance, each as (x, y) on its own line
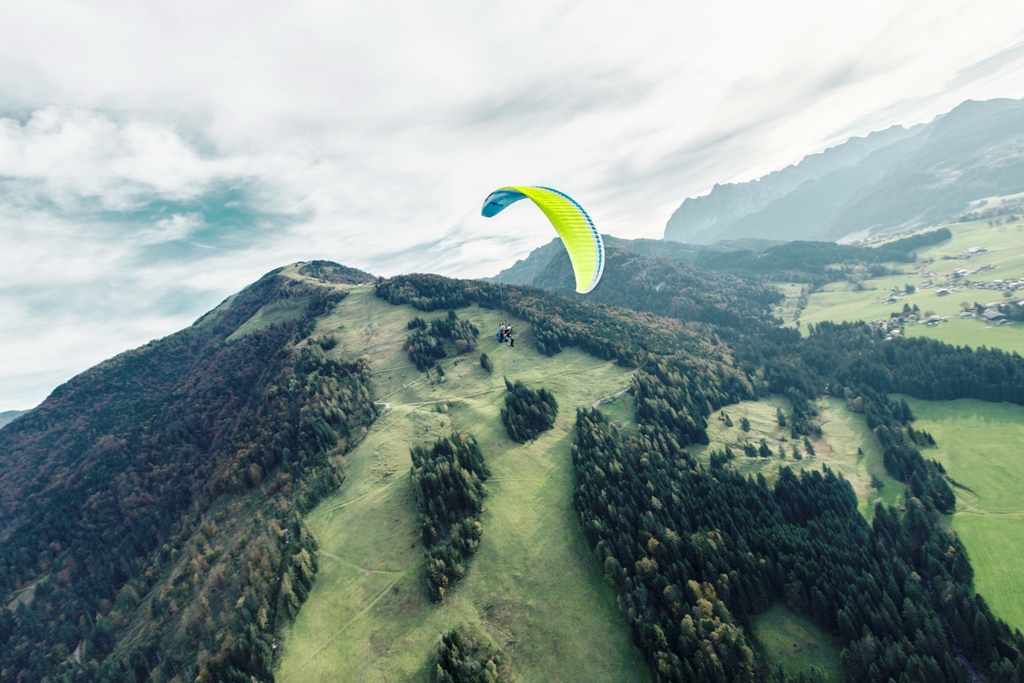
(886, 182)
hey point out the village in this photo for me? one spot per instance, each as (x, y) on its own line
(956, 281)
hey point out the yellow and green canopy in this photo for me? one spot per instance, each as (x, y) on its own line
(580, 237)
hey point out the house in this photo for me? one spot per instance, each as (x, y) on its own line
(941, 291)
(966, 314)
(994, 317)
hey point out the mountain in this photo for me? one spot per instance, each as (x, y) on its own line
(235, 502)
(663, 270)
(706, 218)
(903, 179)
(150, 508)
(9, 416)
(528, 271)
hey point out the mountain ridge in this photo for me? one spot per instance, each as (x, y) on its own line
(923, 176)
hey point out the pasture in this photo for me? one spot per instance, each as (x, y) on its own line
(533, 588)
(979, 444)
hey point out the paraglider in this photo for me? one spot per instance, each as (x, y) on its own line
(579, 236)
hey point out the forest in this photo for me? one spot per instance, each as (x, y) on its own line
(818, 262)
(164, 535)
(694, 552)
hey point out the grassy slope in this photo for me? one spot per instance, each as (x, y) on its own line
(796, 644)
(980, 446)
(533, 587)
(838, 301)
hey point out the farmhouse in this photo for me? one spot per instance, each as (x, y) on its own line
(994, 317)
(941, 291)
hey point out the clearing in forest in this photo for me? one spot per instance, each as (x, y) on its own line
(797, 645)
(846, 445)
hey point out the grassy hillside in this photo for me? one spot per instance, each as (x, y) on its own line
(979, 445)
(839, 301)
(533, 588)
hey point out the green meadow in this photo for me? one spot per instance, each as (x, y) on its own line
(798, 646)
(979, 444)
(839, 301)
(533, 589)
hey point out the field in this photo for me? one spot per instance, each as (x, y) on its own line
(979, 444)
(533, 588)
(840, 301)
(796, 644)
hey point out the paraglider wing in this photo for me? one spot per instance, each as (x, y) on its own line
(580, 237)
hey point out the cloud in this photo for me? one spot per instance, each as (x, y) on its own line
(156, 158)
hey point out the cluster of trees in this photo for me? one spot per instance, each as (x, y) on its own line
(527, 413)
(693, 553)
(463, 660)
(676, 394)
(449, 482)
(154, 502)
(443, 336)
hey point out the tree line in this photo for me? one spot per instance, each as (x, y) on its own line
(442, 337)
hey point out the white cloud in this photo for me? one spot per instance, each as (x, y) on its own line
(155, 157)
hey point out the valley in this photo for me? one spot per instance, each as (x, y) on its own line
(1004, 249)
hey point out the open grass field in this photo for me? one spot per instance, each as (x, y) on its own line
(839, 301)
(980, 445)
(847, 446)
(797, 645)
(533, 588)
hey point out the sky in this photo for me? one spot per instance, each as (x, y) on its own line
(156, 157)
